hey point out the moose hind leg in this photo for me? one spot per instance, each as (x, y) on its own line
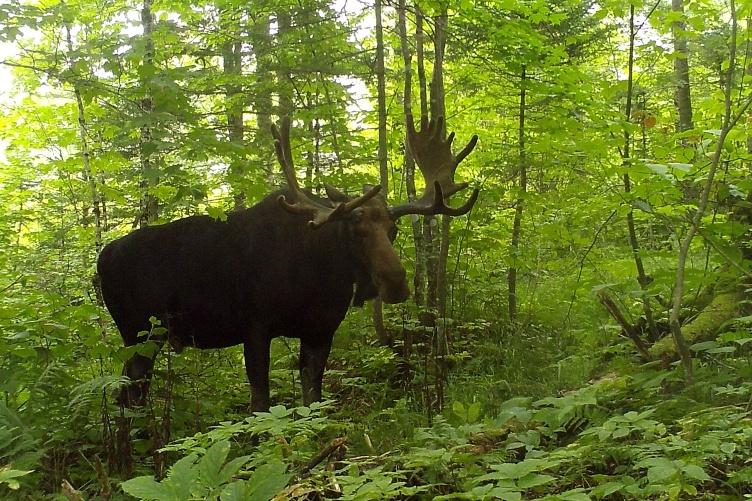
(313, 356)
(256, 355)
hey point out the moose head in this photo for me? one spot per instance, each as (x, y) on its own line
(370, 219)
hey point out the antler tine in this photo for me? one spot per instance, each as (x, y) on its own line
(438, 129)
(357, 202)
(304, 204)
(467, 149)
(437, 206)
(432, 151)
(284, 153)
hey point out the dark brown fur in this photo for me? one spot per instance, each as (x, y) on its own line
(260, 274)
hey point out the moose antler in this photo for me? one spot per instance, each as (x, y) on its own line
(304, 204)
(432, 152)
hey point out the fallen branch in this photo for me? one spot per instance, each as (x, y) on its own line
(629, 329)
(325, 453)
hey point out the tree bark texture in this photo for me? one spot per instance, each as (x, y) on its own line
(232, 65)
(438, 109)
(378, 307)
(149, 203)
(681, 68)
(520, 204)
(409, 165)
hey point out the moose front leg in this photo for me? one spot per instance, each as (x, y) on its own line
(313, 356)
(139, 370)
(256, 354)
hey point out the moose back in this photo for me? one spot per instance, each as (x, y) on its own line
(289, 266)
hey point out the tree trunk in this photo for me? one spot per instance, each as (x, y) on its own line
(381, 101)
(438, 109)
(149, 203)
(86, 160)
(435, 234)
(642, 279)
(681, 67)
(283, 86)
(426, 245)
(311, 156)
(431, 248)
(378, 313)
(729, 122)
(519, 206)
(440, 248)
(262, 98)
(232, 65)
(419, 277)
(419, 44)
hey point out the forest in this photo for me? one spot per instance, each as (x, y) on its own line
(580, 331)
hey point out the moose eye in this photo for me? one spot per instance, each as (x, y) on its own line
(356, 216)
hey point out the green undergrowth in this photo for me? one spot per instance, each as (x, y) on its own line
(621, 437)
(518, 420)
(636, 434)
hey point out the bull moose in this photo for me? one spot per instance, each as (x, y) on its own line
(289, 266)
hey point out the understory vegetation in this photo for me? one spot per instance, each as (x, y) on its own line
(583, 333)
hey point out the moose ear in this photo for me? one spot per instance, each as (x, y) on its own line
(335, 195)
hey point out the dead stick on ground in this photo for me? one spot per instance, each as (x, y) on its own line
(325, 453)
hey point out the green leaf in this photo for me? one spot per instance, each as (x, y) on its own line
(267, 481)
(642, 205)
(505, 494)
(742, 476)
(473, 412)
(112, 194)
(704, 346)
(8, 477)
(236, 491)
(571, 495)
(513, 471)
(607, 489)
(146, 488)
(728, 447)
(679, 169)
(280, 411)
(303, 411)
(659, 474)
(657, 168)
(216, 213)
(533, 480)
(182, 477)
(459, 409)
(212, 462)
(695, 472)
(231, 468)
(621, 432)
(722, 349)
